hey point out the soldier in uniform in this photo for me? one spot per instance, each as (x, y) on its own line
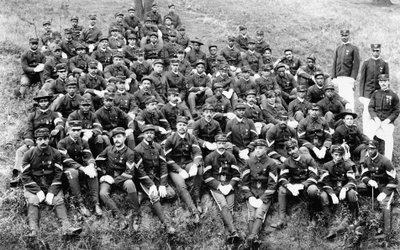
(286, 82)
(103, 53)
(159, 84)
(232, 54)
(242, 40)
(316, 92)
(174, 108)
(214, 61)
(252, 59)
(41, 177)
(199, 86)
(244, 83)
(125, 100)
(306, 73)
(154, 15)
(184, 161)
(272, 109)
(384, 108)
(90, 36)
(330, 105)
(76, 29)
(254, 113)
(146, 90)
(93, 84)
(118, 24)
(132, 23)
(175, 79)
(182, 38)
(261, 44)
(299, 107)
(222, 106)
(78, 162)
(298, 176)
(176, 20)
(116, 39)
(49, 71)
(379, 174)
(260, 180)
(155, 183)
(153, 49)
(227, 82)
(79, 63)
(117, 68)
(265, 83)
(291, 62)
(49, 37)
(195, 54)
(70, 101)
(140, 67)
(221, 175)
(68, 45)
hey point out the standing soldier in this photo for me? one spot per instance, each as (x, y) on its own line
(41, 177)
(346, 63)
(260, 179)
(369, 80)
(379, 174)
(221, 175)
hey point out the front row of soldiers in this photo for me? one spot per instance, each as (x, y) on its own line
(144, 171)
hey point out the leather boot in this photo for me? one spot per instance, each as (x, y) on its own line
(282, 201)
(228, 219)
(33, 218)
(67, 229)
(82, 208)
(158, 210)
(387, 224)
(254, 233)
(280, 223)
(354, 210)
(133, 199)
(250, 226)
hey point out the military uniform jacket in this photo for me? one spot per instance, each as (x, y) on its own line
(305, 74)
(333, 105)
(140, 96)
(349, 134)
(152, 158)
(261, 46)
(227, 81)
(314, 133)
(176, 80)
(152, 51)
(346, 61)
(42, 170)
(271, 112)
(370, 70)
(385, 105)
(31, 59)
(90, 36)
(141, 69)
(176, 20)
(297, 105)
(303, 171)
(75, 151)
(170, 50)
(49, 37)
(76, 32)
(213, 63)
(102, 56)
(266, 83)
(232, 56)
(381, 170)
(172, 111)
(125, 101)
(154, 16)
(205, 131)
(253, 60)
(180, 151)
(277, 136)
(260, 178)
(241, 86)
(49, 71)
(130, 54)
(68, 47)
(315, 93)
(185, 68)
(116, 42)
(220, 169)
(57, 87)
(89, 83)
(69, 104)
(254, 113)
(182, 39)
(43, 119)
(159, 84)
(80, 62)
(112, 118)
(113, 70)
(221, 105)
(155, 118)
(336, 176)
(293, 64)
(241, 132)
(196, 81)
(287, 83)
(193, 56)
(89, 121)
(242, 42)
(130, 23)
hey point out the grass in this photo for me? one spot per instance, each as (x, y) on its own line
(306, 26)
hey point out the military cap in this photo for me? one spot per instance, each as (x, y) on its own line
(42, 94)
(120, 79)
(319, 73)
(80, 46)
(92, 64)
(148, 19)
(85, 102)
(347, 112)
(267, 67)
(291, 143)
(131, 8)
(75, 123)
(280, 65)
(153, 34)
(344, 32)
(33, 40)
(119, 14)
(218, 85)
(302, 88)
(221, 138)
(92, 17)
(140, 52)
(242, 27)
(154, 5)
(270, 93)
(173, 91)
(208, 106)
(240, 105)
(283, 115)
(314, 106)
(42, 132)
(383, 77)
(147, 78)
(329, 86)
(200, 61)
(288, 49)
(231, 38)
(312, 57)
(149, 127)
(118, 54)
(61, 67)
(196, 40)
(109, 96)
(246, 69)
(114, 28)
(375, 46)
(172, 33)
(112, 80)
(212, 46)
(260, 142)
(182, 119)
(46, 23)
(117, 131)
(150, 99)
(260, 33)
(71, 82)
(67, 31)
(373, 144)
(103, 37)
(74, 18)
(174, 60)
(110, 87)
(181, 28)
(171, 5)
(337, 149)
(158, 61)
(251, 92)
(251, 41)
(168, 17)
(224, 66)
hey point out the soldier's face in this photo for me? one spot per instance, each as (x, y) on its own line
(310, 63)
(71, 89)
(259, 37)
(172, 9)
(108, 103)
(62, 74)
(271, 100)
(149, 135)
(175, 67)
(43, 103)
(251, 99)
(289, 55)
(240, 113)
(75, 132)
(281, 72)
(314, 113)
(131, 13)
(337, 157)
(348, 120)
(208, 114)
(301, 94)
(158, 68)
(329, 93)
(47, 27)
(119, 19)
(293, 152)
(252, 46)
(181, 127)
(218, 92)
(320, 80)
(260, 151)
(376, 53)
(372, 151)
(153, 39)
(74, 23)
(92, 22)
(344, 38)
(85, 108)
(34, 46)
(267, 54)
(384, 85)
(221, 145)
(154, 8)
(57, 53)
(119, 140)
(121, 86)
(196, 46)
(213, 51)
(172, 39)
(231, 42)
(146, 85)
(180, 56)
(68, 36)
(117, 61)
(92, 71)
(151, 106)
(168, 22)
(266, 73)
(104, 44)
(246, 75)
(173, 98)
(42, 142)
(200, 68)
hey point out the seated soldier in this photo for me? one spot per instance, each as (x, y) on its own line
(267, 57)
(182, 38)
(205, 129)
(175, 19)
(111, 117)
(103, 53)
(252, 59)
(227, 82)
(118, 24)
(222, 106)
(272, 109)
(260, 178)
(117, 164)
(244, 83)
(154, 15)
(330, 106)
(242, 40)
(117, 68)
(41, 177)
(174, 108)
(140, 67)
(75, 28)
(298, 176)
(125, 100)
(171, 48)
(155, 183)
(214, 61)
(184, 161)
(116, 39)
(152, 115)
(41, 117)
(132, 23)
(314, 136)
(291, 62)
(184, 66)
(153, 49)
(199, 87)
(91, 35)
(306, 74)
(130, 50)
(166, 29)
(299, 107)
(79, 63)
(221, 175)
(265, 83)
(50, 71)
(70, 101)
(176, 80)
(232, 55)
(254, 113)
(286, 82)
(195, 54)
(79, 162)
(144, 92)
(159, 84)
(261, 44)
(379, 178)
(338, 184)
(57, 87)
(68, 45)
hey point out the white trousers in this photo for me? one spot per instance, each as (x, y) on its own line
(345, 87)
(384, 132)
(365, 115)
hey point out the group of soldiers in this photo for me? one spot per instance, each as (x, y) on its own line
(144, 109)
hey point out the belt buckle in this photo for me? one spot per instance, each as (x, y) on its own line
(258, 184)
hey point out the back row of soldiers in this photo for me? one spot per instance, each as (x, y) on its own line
(129, 115)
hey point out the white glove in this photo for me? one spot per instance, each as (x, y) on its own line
(381, 197)
(244, 154)
(282, 158)
(126, 175)
(299, 186)
(39, 67)
(342, 194)
(132, 115)
(225, 189)
(90, 171)
(230, 115)
(91, 48)
(335, 199)
(153, 191)
(184, 174)
(373, 183)
(87, 134)
(255, 202)
(49, 198)
(316, 151)
(40, 195)
(162, 130)
(322, 152)
(292, 189)
(210, 146)
(377, 120)
(293, 124)
(228, 94)
(385, 122)
(107, 178)
(187, 49)
(193, 170)
(162, 190)
(128, 132)
(128, 84)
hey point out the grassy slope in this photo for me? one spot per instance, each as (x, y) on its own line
(307, 26)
